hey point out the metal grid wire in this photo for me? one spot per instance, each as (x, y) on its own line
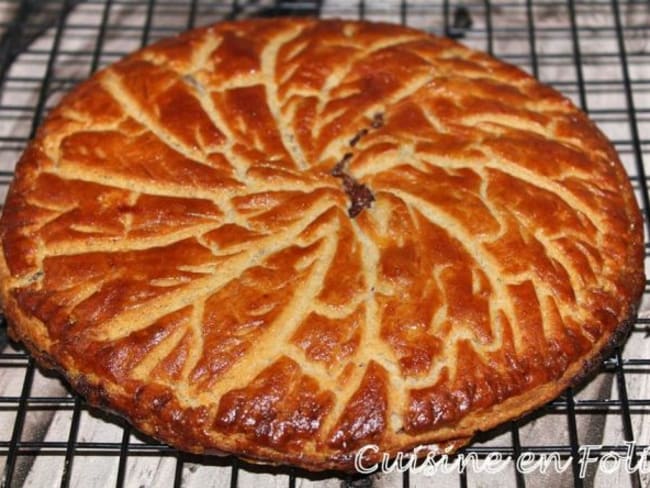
(594, 51)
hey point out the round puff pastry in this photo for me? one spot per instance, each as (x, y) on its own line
(290, 238)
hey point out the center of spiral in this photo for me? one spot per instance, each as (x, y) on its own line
(359, 194)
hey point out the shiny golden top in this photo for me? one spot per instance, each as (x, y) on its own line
(290, 238)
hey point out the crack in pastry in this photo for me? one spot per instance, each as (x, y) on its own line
(359, 194)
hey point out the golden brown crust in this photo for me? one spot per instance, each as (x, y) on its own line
(290, 239)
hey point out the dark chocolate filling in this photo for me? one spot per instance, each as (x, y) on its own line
(360, 195)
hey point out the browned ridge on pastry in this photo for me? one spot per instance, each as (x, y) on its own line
(287, 239)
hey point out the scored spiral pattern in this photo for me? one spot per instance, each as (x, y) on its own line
(182, 241)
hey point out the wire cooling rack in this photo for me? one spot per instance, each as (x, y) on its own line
(594, 51)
